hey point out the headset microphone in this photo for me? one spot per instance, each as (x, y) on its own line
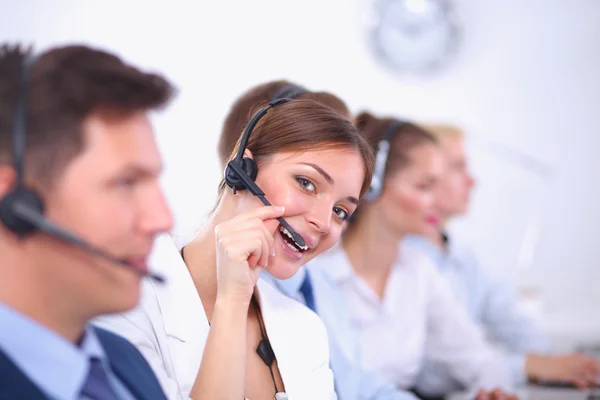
(257, 191)
(241, 171)
(22, 209)
(31, 216)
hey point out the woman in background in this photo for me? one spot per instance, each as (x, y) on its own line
(490, 303)
(401, 307)
(217, 331)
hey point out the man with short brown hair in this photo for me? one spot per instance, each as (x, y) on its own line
(77, 155)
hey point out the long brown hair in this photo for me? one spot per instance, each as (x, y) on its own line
(302, 124)
(258, 97)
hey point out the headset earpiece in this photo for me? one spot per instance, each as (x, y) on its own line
(8, 216)
(232, 179)
(248, 165)
(381, 158)
(20, 195)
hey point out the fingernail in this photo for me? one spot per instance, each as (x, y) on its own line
(273, 251)
(279, 208)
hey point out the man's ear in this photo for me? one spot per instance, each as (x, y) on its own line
(7, 179)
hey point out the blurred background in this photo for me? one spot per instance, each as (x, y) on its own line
(521, 78)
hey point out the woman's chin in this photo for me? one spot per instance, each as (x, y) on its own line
(283, 269)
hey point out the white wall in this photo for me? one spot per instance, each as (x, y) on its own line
(527, 77)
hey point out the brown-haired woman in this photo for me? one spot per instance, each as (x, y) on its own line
(201, 331)
(400, 305)
(258, 97)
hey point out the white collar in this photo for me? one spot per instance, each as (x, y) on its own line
(178, 295)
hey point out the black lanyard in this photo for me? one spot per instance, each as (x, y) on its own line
(264, 349)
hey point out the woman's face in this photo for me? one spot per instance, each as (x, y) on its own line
(319, 190)
(454, 189)
(407, 202)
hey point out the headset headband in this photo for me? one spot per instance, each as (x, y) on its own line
(283, 95)
(381, 159)
(19, 137)
(290, 91)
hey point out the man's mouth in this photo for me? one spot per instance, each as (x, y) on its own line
(139, 263)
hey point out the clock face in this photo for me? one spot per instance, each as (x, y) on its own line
(413, 35)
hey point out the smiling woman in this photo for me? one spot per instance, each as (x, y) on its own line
(200, 333)
(310, 163)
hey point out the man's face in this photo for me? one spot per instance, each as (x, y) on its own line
(110, 196)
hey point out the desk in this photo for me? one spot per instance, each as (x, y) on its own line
(542, 393)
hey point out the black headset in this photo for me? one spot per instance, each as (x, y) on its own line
(21, 200)
(22, 209)
(241, 171)
(381, 159)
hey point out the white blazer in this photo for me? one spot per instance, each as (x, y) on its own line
(170, 329)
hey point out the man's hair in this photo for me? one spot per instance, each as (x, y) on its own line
(66, 85)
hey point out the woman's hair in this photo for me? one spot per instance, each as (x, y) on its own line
(256, 98)
(442, 131)
(302, 124)
(407, 137)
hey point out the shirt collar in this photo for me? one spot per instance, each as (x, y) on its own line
(55, 365)
(335, 264)
(291, 286)
(426, 246)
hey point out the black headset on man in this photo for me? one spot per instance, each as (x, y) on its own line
(22, 209)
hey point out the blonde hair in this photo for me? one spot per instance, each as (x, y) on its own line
(443, 131)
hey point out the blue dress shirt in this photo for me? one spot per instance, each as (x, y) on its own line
(351, 382)
(55, 365)
(491, 303)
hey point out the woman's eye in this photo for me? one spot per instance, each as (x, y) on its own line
(341, 213)
(125, 182)
(306, 184)
(425, 187)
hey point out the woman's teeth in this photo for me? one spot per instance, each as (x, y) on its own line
(294, 246)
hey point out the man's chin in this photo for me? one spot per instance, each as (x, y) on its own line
(124, 299)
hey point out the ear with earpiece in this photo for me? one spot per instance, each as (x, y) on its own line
(245, 165)
(13, 199)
